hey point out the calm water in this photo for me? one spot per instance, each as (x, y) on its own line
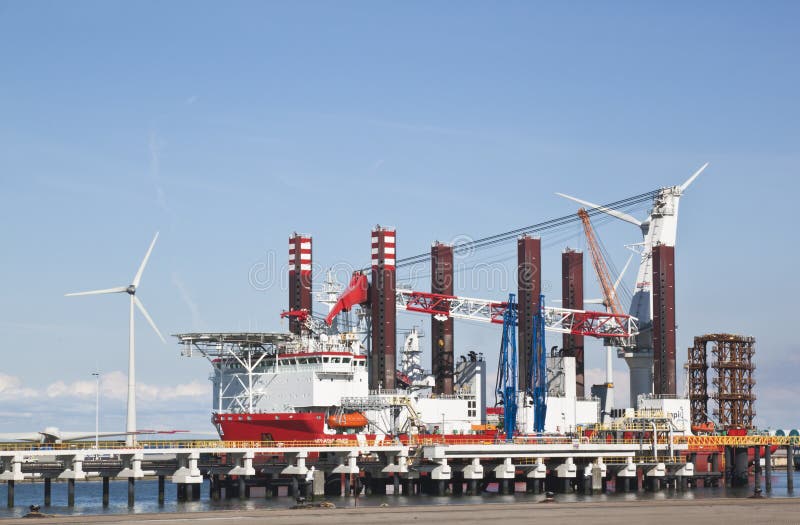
(88, 498)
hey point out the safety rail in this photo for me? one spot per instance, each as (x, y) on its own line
(737, 441)
(411, 440)
(213, 444)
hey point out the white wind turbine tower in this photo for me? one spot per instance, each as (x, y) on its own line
(130, 426)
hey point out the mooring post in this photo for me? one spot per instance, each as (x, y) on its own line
(10, 484)
(790, 468)
(47, 492)
(105, 491)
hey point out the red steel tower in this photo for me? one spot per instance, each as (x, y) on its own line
(384, 316)
(299, 277)
(572, 297)
(529, 284)
(442, 364)
(664, 320)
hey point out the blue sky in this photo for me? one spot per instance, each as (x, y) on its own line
(227, 127)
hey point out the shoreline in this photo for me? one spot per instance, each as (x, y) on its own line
(720, 510)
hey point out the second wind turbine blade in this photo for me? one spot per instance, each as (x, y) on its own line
(141, 308)
(614, 213)
(118, 289)
(140, 271)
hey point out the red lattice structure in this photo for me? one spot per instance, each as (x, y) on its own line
(734, 384)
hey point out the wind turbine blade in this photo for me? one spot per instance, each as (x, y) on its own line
(585, 301)
(691, 179)
(138, 276)
(140, 306)
(118, 289)
(624, 269)
(614, 213)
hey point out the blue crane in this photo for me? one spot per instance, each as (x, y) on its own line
(538, 372)
(506, 387)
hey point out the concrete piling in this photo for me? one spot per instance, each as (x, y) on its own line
(768, 468)
(131, 492)
(48, 492)
(105, 491)
(160, 490)
(242, 488)
(71, 492)
(756, 470)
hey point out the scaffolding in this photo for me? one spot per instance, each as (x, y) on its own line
(734, 385)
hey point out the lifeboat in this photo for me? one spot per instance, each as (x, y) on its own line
(350, 420)
(703, 428)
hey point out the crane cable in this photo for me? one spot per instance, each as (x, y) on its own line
(492, 240)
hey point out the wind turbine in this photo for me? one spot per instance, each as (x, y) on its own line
(660, 227)
(130, 425)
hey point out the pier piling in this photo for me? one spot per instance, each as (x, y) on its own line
(242, 488)
(756, 470)
(105, 491)
(131, 492)
(71, 492)
(768, 468)
(790, 468)
(160, 489)
(48, 493)
(10, 486)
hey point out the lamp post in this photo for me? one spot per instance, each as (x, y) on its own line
(97, 410)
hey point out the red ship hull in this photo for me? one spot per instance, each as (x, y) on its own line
(289, 426)
(305, 426)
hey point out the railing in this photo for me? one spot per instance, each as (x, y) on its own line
(741, 441)
(412, 440)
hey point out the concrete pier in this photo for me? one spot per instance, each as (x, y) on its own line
(557, 464)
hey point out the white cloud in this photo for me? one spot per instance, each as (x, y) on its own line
(11, 388)
(113, 386)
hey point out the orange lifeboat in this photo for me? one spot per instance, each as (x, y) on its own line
(704, 428)
(351, 420)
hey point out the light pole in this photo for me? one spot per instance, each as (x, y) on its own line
(96, 410)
